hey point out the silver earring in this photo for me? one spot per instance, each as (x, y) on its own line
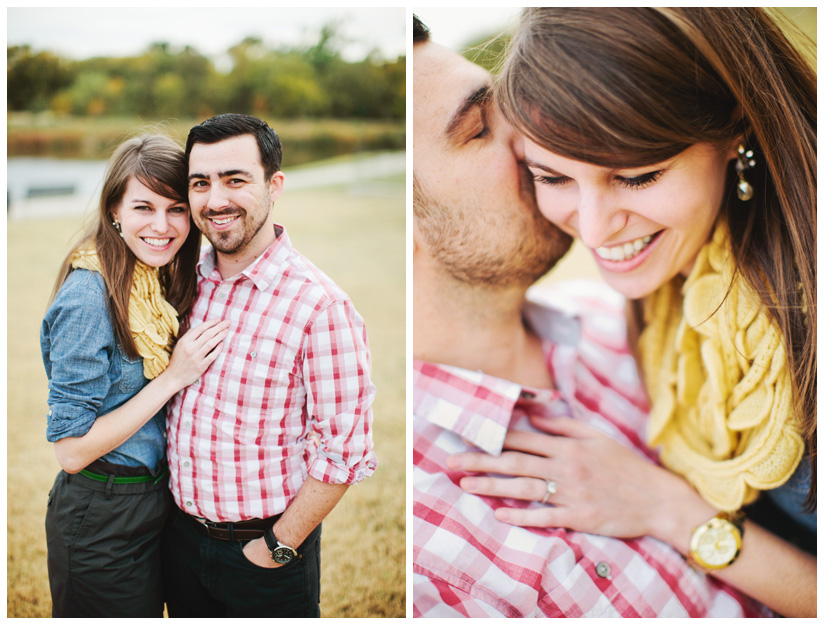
(116, 224)
(744, 162)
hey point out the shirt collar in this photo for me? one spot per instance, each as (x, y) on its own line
(262, 271)
(479, 407)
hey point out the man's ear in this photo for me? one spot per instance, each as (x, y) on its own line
(418, 241)
(276, 185)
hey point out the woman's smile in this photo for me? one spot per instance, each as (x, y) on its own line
(642, 234)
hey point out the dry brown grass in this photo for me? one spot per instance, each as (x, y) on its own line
(359, 242)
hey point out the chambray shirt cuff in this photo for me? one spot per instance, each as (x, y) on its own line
(68, 420)
(338, 473)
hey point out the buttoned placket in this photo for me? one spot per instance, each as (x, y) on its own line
(218, 300)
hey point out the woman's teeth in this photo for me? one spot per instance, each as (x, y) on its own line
(625, 251)
(157, 242)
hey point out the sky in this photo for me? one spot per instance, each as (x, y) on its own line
(454, 27)
(80, 33)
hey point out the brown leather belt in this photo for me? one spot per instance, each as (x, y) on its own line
(236, 531)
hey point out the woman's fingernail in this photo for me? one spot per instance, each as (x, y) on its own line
(454, 462)
(469, 484)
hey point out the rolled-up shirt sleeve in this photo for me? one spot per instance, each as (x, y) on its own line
(336, 371)
(77, 343)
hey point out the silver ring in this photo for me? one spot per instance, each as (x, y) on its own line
(551, 489)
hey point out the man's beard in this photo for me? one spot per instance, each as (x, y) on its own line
(233, 241)
(468, 248)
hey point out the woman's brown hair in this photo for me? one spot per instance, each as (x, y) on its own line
(157, 162)
(629, 87)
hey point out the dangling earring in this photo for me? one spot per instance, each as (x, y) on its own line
(116, 224)
(744, 162)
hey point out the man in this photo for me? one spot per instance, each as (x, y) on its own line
(265, 444)
(485, 359)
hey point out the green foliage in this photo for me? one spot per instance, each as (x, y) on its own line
(165, 81)
(94, 137)
(33, 78)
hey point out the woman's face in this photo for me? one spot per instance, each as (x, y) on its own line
(644, 225)
(153, 226)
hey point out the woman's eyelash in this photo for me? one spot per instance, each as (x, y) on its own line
(640, 182)
(550, 180)
(636, 182)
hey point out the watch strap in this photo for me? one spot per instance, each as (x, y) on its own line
(274, 545)
(269, 537)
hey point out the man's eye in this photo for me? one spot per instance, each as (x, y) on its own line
(484, 132)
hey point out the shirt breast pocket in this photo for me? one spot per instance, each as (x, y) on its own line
(263, 375)
(131, 373)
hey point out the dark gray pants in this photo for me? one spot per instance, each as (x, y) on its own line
(208, 577)
(104, 547)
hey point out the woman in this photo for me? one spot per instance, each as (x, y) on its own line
(108, 330)
(679, 145)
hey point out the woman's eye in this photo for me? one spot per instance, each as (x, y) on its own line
(178, 209)
(552, 181)
(637, 182)
(484, 132)
(142, 208)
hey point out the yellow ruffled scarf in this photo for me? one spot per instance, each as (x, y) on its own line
(722, 408)
(152, 320)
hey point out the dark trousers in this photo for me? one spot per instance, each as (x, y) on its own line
(104, 547)
(206, 577)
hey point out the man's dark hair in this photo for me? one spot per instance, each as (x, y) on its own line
(420, 31)
(230, 125)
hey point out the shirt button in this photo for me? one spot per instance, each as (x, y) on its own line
(188, 503)
(253, 354)
(187, 424)
(528, 395)
(222, 295)
(602, 569)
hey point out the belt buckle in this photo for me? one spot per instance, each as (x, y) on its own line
(209, 524)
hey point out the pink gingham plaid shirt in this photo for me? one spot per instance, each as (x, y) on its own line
(289, 394)
(465, 562)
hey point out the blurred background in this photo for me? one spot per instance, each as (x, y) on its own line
(481, 36)
(331, 82)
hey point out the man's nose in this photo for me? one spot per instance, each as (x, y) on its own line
(216, 197)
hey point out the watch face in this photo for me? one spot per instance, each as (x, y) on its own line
(717, 544)
(283, 555)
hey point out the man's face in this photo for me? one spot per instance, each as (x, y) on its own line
(229, 196)
(474, 203)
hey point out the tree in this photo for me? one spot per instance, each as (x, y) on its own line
(32, 79)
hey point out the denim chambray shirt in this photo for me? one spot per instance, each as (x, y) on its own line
(90, 374)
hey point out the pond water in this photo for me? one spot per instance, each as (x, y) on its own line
(31, 177)
(45, 187)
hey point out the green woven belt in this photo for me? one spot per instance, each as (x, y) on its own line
(125, 480)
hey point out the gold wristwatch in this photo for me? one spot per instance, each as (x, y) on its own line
(716, 543)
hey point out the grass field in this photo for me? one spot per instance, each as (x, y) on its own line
(359, 242)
